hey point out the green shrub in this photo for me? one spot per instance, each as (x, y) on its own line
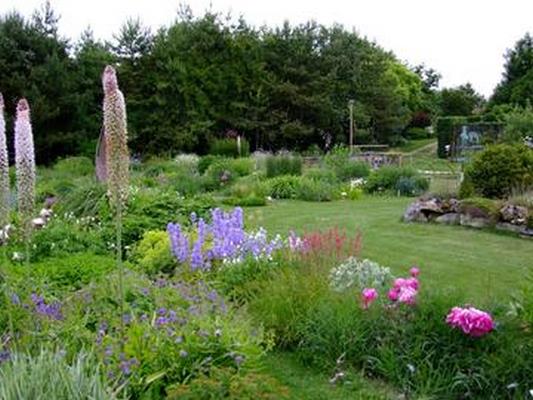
(415, 133)
(311, 190)
(74, 167)
(63, 236)
(411, 186)
(72, 271)
(223, 171)
(444, 129)
(321, 174)
(348, 191)
(518, 125)
(481, 207)
(51, 375)
(283, 187)
(283, 165)
(152, 254)
(249, 201)
(402, 180)
(352, 169)
(84, 199)
(499, 169)
(228, 148)
(152, 209)
(187, 162)
(206, 161)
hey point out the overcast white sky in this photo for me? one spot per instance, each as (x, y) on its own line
(463, 39)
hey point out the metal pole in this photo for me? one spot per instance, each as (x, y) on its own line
(350, 105)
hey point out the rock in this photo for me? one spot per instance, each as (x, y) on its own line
(431, 206)
(450, 205)
(449, 219)
(38, 222)
(527, 233)
(45, 213)
(475, 221)
(414, 213)
(516, 215)
(506, 226)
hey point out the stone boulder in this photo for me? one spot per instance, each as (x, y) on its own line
(414, 213)
(449, 219)
(507, 226)
(475, 221)
(513, 214)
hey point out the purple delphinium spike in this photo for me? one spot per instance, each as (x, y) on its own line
(179, 243)
(25, 163)
(4, 170)
(52, 311)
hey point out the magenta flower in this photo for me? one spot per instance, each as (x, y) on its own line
(470, 320)
(404, 290)
(407, 295)
(369, 295)
(415, 271)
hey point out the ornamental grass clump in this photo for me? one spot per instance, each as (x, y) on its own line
(4, 171)
(25, 164)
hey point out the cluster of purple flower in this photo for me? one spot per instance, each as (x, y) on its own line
(223, 240)
(52, 310)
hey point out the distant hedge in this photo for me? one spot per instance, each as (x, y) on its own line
(444, 128)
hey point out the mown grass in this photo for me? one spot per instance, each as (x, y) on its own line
(484, 266)
(305, 383)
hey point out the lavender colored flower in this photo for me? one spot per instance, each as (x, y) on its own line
(183, 354)
(25, 164)
(15, 299)
(4, 170)
(126, 365)
(52, 311)
(5, 355)
(126, 318)
(178, 242)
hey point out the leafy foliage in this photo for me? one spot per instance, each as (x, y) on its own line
(499, 169)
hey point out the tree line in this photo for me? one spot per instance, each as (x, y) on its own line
(210, 76)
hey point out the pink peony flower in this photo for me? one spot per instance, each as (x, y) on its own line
(470, 320)
(414, 272)
(407, 295)
(412, 283)
(393, 294)
(369, 295)
(399, 283)
(405, 290)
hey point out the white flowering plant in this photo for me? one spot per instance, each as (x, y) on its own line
(358, 274)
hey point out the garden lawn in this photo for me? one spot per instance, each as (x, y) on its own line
(485, 266)
(305, 383)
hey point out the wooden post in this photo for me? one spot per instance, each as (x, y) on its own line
(350, 106)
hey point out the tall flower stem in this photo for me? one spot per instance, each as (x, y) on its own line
(25, 163)
(4, 173)
(117, 168)
(120, 266)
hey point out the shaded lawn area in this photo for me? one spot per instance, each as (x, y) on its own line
(305, 383)
(484, 265)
